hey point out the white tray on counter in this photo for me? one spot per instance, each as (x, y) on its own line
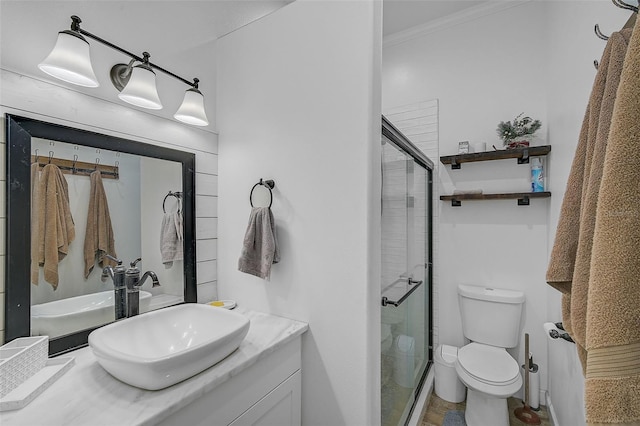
(36, 384)
(20, 359)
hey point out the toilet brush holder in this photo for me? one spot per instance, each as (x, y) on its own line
(534, 384)
(525, 414)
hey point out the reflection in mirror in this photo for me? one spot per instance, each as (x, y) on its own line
(136, 191)
(142, 207)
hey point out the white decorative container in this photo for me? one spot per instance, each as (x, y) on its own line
(20, 359)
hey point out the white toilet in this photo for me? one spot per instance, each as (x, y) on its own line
(491, 320)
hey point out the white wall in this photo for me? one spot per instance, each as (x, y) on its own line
(481, 71)
(42, 100)
(298, 102)
(534, 57)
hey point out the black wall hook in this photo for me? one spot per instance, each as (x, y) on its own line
(624, 5)
(596, 29)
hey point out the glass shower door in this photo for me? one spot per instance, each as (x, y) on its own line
(405, 286)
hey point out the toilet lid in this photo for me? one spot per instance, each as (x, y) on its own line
(488, 364)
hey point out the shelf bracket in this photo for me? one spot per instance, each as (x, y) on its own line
(524, 201)
(455, 203)
(454, 164)
(525, 157)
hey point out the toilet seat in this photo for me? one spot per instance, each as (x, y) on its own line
(488, 364)
(488, 369)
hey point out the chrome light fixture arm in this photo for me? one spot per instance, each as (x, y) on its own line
(70, 61)
(75, 26)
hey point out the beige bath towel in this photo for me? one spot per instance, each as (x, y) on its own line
(612, 388)
(55, 224)
(260, 246)
(569, 266)
(35, 223)
(99, 239)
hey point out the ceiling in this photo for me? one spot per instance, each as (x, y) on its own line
(400, 15)
(179, 34)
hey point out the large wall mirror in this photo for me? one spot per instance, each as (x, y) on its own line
(140, 206)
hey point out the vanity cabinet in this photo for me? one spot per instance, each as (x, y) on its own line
(280, 407)
(258, 384)
(266, 393)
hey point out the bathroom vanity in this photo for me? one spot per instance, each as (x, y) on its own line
(260, 383)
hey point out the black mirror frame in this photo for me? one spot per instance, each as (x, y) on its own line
(19, 131)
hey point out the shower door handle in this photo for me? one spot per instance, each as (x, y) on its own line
(386, 301)
(398, 292)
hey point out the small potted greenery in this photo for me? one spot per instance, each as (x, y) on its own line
(514, 133)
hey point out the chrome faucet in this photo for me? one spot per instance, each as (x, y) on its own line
(133, 281)
(119, 288)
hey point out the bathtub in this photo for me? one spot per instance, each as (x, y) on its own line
(77, 313)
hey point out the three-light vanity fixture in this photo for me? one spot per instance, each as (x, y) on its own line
(70, 61)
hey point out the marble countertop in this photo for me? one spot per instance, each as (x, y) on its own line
(88, 395)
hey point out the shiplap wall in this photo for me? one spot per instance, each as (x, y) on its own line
(34, 98)
(419, 123)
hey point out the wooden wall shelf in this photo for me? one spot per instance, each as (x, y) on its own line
(522, 197)
(522, 154)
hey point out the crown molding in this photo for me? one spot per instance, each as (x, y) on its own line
(465, 15)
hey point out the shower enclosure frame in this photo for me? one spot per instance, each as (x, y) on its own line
(401, 141)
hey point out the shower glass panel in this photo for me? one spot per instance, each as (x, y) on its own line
(406, 287)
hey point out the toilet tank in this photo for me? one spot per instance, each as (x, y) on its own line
(490, 315)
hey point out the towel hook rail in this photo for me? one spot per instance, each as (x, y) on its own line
(178, 196)
(269, 184)
(624, 5)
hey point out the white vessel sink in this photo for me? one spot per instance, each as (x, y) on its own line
(69, 315)
(161, 348)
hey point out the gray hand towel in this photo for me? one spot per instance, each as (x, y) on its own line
(260, 247)
(171, 238)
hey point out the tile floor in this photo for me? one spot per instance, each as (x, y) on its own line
(437, 407)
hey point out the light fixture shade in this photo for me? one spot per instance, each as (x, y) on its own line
(192, 109)
(141, 89)
(70, 60)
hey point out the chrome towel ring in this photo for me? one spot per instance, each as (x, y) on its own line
(269, 184)
(178, 195)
